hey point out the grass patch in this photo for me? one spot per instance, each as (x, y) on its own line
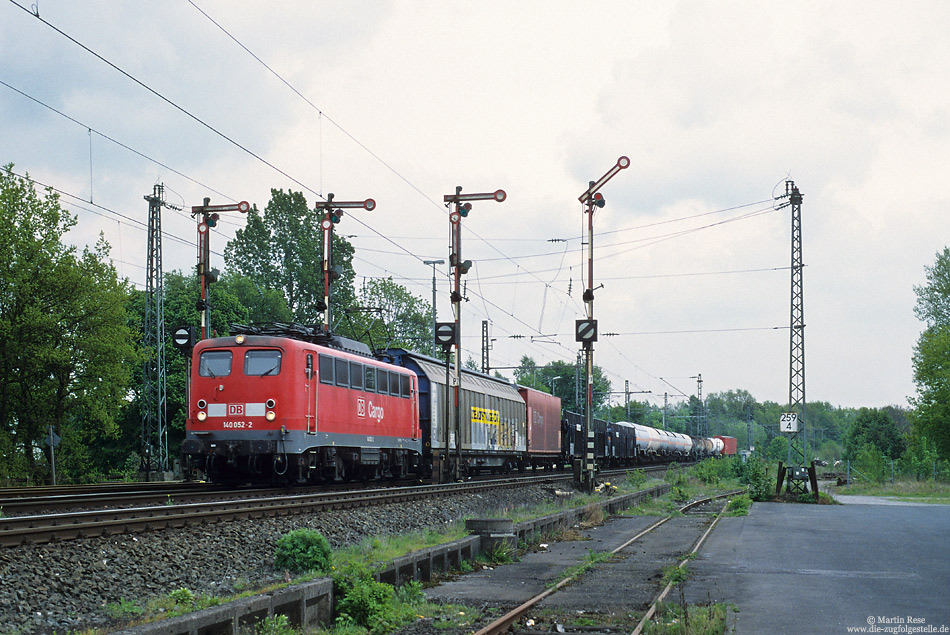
(739, 506)
(381, 550)
(921, 491)
(676, 619)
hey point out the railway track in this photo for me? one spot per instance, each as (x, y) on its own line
(576, 591)
(19, 530)
(123, 510)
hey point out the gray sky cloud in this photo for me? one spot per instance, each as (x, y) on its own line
(715, 104)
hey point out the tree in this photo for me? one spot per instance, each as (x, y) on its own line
(66, 344)
(874, 427)
(390, 316)
(931, 360)
(777, 449)
(283, 250)
(560, 376)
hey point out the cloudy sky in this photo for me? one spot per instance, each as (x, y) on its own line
(715, 104)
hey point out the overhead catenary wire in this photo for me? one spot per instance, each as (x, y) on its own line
(402, 249)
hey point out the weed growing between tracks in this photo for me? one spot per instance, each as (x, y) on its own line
(674, 619)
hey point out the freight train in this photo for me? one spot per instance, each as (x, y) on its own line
(289, 403)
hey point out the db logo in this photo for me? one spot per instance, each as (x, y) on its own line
(235, 409)
(360, 407)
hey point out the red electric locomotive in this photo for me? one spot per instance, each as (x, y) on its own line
(314, 408)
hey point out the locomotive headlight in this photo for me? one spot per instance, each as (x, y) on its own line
(270, 403)
(202, 415)
(270, 416)
(238, 339)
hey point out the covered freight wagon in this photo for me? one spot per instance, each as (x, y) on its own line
(728, 444)
(492, 432)
(543, 421)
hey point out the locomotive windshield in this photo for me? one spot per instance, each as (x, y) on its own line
(261, 363)
(215, 364)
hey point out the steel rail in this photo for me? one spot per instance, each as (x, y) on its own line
(18, 530)
(503, 623)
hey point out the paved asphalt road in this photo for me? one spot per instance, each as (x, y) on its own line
(801, 569)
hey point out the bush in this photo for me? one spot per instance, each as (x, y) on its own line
(739, 506)
(276, 625)
(712, 471)
(636, 478)
(303, 550)
(870, 463)
(364, 601)
(752, 473)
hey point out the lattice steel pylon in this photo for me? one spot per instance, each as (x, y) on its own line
(154, 428)
(797, 450)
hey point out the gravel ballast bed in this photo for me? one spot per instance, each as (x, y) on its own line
(67, 586)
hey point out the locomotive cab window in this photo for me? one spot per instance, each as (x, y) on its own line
(261, 363)
(356, 375)
(326, 369)
(342, 371)
(215, 364)
(404, 386)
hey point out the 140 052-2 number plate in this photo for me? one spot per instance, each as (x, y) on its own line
(237, 425)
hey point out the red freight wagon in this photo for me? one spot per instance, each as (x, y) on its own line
(264, 407)
(728, 444)
(544, 426)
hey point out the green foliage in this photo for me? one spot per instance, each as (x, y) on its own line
(366, 602)
(123, 609)
(682, 619)
(931, 358)
(675, 574)
(303, 550)
(674, 475)
(777, 449)
(874, 427)
(282, 248)
(636, 479)
(501, 553)
(752, 473)
(275, 625)
(560, 376)
(871, 463)
(739, 506)
(919, 458)
(182, 597)
(713, 471)
(410, 593)
(401, 320)
(679, 494)
(67, 348)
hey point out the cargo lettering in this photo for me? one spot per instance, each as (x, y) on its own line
(369, 410)
(485, 416)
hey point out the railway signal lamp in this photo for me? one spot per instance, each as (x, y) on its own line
(585, 332)
(208, 216)
(464, 209)
(445, 334)
(184, 339)
(333, 211)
